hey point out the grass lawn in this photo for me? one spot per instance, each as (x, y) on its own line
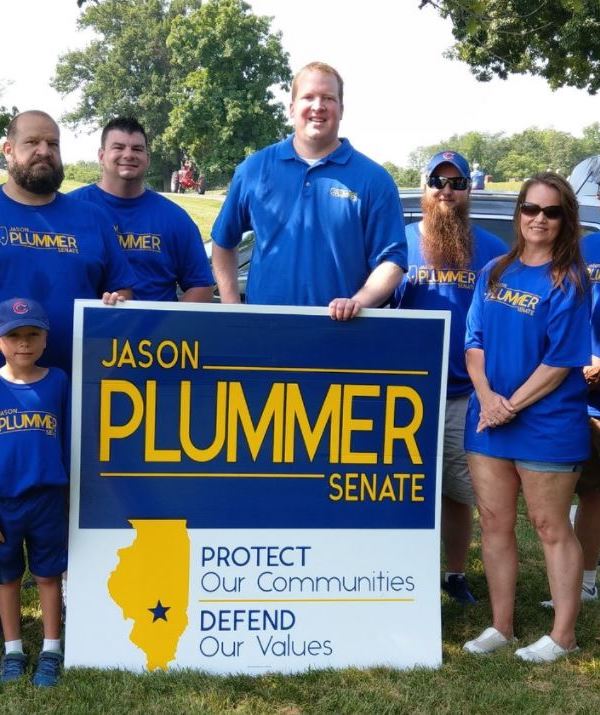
(464, 684)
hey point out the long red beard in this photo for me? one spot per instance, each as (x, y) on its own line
(446, 240)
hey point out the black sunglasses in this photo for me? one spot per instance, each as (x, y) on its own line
(457, 183)
(550, 212)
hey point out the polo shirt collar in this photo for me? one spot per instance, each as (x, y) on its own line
(340, 156)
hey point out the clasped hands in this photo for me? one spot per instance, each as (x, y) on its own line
(495, 411)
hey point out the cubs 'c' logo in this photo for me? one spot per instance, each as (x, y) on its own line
(20, 307)
(3, 236)
(449, 155)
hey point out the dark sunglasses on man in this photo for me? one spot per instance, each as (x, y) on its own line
(550, 212)
(457, 183)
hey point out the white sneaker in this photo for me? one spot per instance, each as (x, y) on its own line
(587, 594)
(545, 650)
(489, 641)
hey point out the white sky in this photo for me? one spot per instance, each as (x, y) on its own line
(400, 92)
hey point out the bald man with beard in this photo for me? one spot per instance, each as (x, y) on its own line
(445, 254)
(53, 249)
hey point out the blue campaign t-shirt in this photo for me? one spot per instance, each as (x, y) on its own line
(590, 248)
(447, 289)
(162, 243)
(34, 421)
(320, 229)
(527, 323)
(55, 253)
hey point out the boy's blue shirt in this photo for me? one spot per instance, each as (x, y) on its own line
(34, 439)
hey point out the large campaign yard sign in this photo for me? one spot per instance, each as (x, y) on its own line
(255, 489)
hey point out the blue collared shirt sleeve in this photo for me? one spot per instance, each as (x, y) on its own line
(385, 234)
(233, 219)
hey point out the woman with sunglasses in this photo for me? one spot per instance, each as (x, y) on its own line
(527, 338)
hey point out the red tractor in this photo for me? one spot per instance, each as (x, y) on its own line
(184, 180)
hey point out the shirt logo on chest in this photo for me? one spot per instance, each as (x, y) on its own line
(26, 238)
(423, 275)
(520, 300)
(340, 193)
(140, 242)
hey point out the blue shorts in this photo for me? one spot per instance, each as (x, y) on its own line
(38, 520)
(535, 466)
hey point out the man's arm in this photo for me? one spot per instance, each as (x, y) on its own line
(379, 286)
(225, 269)
(199, 294)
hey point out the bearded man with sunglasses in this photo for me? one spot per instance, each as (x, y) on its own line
(445, 254)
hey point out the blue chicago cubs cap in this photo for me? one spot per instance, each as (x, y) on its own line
(449, 157)
(19, 312)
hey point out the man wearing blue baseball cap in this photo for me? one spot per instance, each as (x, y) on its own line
(445, 254)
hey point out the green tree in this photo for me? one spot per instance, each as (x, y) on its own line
(6, 114)
(187, 81)
(555, 39)
(223, 107)
(87, 172)
(125, 70)
(591, 139)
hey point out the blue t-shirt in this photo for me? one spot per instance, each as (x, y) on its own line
(55, 253)
(161, 241)
(450, 289)
(531, 322)
(34, 422)
(320, 230)
(590, 249)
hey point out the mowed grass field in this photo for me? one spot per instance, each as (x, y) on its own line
(464, 684)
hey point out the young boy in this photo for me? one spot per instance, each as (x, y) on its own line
(33, 483)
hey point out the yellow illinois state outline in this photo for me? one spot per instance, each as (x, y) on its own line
(151, 585)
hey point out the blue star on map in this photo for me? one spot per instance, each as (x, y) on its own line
(159, 611)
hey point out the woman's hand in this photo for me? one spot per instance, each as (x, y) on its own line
(591, 373)
(495, 411)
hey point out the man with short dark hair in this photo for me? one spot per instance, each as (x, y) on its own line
(328, 221)
(161, 241)
(52, 248)
(445, 254)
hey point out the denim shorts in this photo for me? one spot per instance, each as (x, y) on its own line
(37, 520)
(535, 466)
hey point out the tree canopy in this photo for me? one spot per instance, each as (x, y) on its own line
(196, 74)
(6, 114)
(555, 39)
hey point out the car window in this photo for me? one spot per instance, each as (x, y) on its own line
(500, 226)
(589, 228)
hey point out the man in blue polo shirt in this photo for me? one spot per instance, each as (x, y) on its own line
(328, 221)
(445, 254)
(162, 243)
